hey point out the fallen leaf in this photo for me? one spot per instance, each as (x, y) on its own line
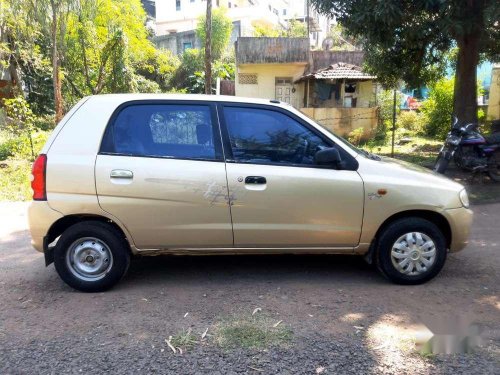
(277, 324)
(170, 345)
(380, 346)
(359, 327)
(186, 314)
(320, 370)
(256, 310)
(204, 334)
(144, 299)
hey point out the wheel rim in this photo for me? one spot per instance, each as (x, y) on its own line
(413, 253)
(89, 259)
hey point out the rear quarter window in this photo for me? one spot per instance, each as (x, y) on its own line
(161, 130)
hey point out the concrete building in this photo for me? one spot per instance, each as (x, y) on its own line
(493, 112)
(329, 86)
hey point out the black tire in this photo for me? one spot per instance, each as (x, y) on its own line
(457, 158)
(392, 233)
(441, 164)
(103, 232)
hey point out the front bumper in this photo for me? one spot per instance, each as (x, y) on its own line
(460, 220)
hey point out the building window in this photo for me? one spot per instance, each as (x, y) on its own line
(283, 81)
(229, 5)
(284, 12)
(187, 45)
(247, 79)
(177, 5)
(192, 1)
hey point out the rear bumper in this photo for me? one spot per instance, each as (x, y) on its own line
(40, 219)
(460, 220)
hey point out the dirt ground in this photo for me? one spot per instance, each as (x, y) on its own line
(342, 315)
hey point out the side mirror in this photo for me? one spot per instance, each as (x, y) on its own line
(328, 157)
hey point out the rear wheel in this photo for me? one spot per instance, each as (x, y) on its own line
(91, 256)
(411, 251)
(494, 166)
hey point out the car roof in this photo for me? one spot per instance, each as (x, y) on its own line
(123, 98)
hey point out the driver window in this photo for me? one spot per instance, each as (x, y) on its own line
(264, 136)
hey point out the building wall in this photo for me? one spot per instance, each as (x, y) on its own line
(168, 19)
(342, 121)
(266, 81)
(494, 102)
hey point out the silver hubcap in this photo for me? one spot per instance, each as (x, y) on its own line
(413, 253)
(89, 259)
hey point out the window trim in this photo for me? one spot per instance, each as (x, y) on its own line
(228, 151)
(219, 155)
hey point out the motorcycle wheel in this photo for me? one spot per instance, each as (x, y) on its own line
(494, 166)
(457, 158)
(441, 164)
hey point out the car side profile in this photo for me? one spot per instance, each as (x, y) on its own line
(139, 174)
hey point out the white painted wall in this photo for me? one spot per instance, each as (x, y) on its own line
(170, 19)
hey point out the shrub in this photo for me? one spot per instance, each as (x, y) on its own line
(438, 108)
(412, 121)
(355, 136)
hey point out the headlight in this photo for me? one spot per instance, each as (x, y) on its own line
(464, 198)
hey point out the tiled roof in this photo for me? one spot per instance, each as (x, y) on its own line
(338, 71)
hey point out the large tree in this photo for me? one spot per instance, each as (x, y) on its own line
(409, 40)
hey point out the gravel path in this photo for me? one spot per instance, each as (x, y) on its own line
(344, 317)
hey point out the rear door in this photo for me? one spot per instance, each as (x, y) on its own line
(160, 171)
(279, 197)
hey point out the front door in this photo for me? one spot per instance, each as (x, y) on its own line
(283, 87)
(279, 197)
(161, 173)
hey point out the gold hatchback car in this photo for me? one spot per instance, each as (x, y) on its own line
(130, 174)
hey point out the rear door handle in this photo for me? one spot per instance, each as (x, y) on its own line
(121, 173)
(255, 180)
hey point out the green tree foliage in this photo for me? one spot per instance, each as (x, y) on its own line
(438, 108)
(265, 29)
(408, 39)
(222, 26)
(108, 50)
(294, 29)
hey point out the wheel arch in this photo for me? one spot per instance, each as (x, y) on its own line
(59, 226)
(434, 217)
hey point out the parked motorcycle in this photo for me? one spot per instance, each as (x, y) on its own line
(470, 150)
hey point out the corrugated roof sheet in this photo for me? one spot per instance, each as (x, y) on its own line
(338, 71)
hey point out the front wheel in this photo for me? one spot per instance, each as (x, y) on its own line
(91, 256)
(494, 166)
(441, 163)
(411, 251)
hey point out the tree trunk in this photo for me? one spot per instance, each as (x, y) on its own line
(465, 90)
(208, 49)
(56, 77)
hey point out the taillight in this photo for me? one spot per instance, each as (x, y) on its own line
(38, 178)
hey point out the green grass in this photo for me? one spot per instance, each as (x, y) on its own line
(253, 332)
(184, 340)
(421, 151)
(15, 180)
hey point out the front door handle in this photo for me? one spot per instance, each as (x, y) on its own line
(255, 180)
(121, 173)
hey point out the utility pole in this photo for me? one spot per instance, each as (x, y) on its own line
(208, 49)
(393, 122)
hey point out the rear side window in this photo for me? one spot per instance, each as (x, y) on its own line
(162, 130)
